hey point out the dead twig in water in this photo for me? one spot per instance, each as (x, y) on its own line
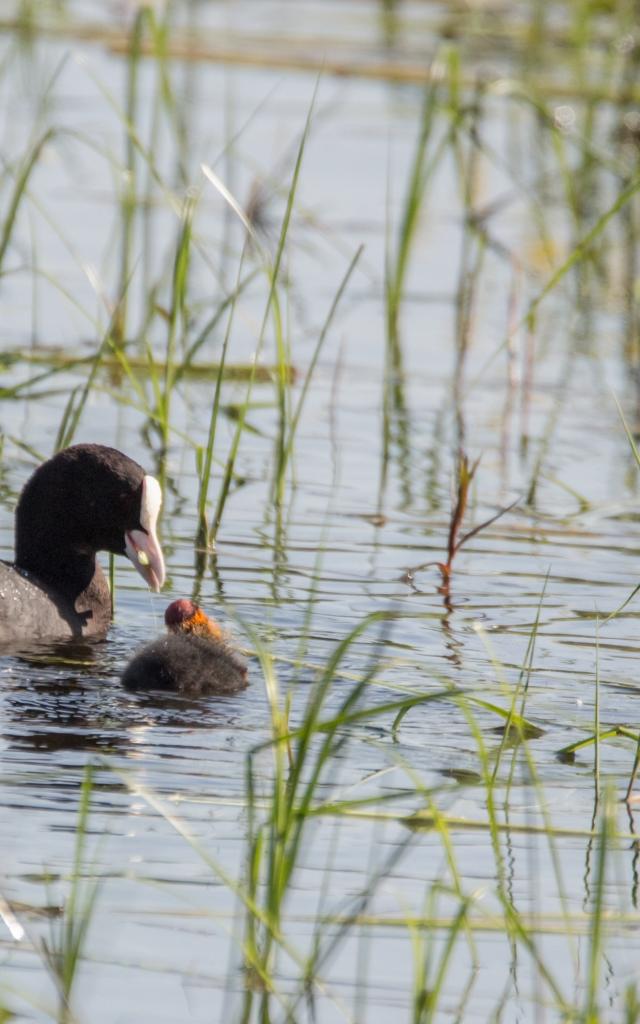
(465, 473)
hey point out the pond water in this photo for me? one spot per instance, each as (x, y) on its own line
(168, 825)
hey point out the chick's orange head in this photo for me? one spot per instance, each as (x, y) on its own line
(184, 616)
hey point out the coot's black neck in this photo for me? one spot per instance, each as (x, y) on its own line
(53, 561)
(47, 544)
(72, 579)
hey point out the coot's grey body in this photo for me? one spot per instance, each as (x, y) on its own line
(187, 664)
(31, 609)
(87, 498)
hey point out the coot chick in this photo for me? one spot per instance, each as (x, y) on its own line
(87, 498)
(194, 659)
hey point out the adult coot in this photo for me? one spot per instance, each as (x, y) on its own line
(85, 499)
(193, 659)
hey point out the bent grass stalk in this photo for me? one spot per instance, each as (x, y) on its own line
(276, 842)
(295, 419)
(177, 315)
(524, 733)
(144, 21)
(421, 170)
(636, 455)
(62, 953)
(273, 304)
(19, 191)
(606, 837)
(78, 397)
(515, 928)
(440, 826)
(579, 252)
(397, 260)
(242, 892)
(204, 536)
(272, 309)
(130, 191)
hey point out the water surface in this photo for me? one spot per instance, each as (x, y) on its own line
(165, 939)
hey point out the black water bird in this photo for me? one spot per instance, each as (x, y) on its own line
(87, 498)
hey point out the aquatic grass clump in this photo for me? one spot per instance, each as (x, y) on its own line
(305, 770)
(328, 717)
(313, 727)
(119, 347)
(69, 921)
(288, 416)
(64, 949)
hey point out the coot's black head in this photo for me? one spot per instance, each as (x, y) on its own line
(89, 498)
